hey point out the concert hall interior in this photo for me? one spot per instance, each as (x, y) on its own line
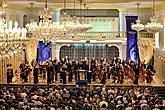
(110, 51)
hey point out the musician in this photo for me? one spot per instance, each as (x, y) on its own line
(44, 66)
(115, 60)
(76, 70)
(50, 71)
(70, 71)
(36, 72)
(150, 73)
(9, 73)
(120, 77)
(85, 67)
(136, 70)
(89, 73)
(63, 72)
(143, 72)
(102, 75)
(23, 72)
(108, 70)
(114, 73)
(66, 59)
(27, 71)
(56, 68)
(93, 68)
(101, 60)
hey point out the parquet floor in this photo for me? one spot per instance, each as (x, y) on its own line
(127, 82)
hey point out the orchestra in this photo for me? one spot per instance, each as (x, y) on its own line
(92, 70)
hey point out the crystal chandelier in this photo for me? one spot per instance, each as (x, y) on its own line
(47, 30)
(137, 26)
(12, 38)
(154, 26)
(72, 22)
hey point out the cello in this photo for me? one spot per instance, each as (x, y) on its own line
(131, 73)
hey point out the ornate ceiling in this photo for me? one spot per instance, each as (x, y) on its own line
(90, 3)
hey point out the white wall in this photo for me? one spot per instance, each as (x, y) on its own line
(143, 16)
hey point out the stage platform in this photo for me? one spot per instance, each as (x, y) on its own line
(127, 83)
(158, 85)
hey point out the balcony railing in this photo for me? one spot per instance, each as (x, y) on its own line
(146, 35)
(96, 36)
(103, 35)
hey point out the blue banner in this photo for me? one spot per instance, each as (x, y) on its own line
(132, 47)
(44, 52)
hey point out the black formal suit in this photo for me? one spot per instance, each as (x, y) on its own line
(35, 74)
(50, 71)
(9, 75)
(63, 74)
(136, 70)
(69, 69)
(76, 71)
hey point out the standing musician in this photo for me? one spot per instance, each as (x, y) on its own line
(50, 71)
(102, 75)
(114, 73)
(63, 72)
(132, 72)
(70, 71)
(56, 69)
(36, 72)
(108, 69)
(27, 71)
(136, 70)
(143, 73)
(9, 73)
(76, 70)
(89, 73)
(44, 70)
(150, 73)
(93, 69)
(120, 74)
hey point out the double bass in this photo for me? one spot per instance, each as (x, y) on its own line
(131, 73)
(143, 74)
(102, 72)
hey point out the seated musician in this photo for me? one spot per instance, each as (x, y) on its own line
(150, 73)
(120, 77)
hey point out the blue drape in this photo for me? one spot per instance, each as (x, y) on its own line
(44, 51)
(132, 47)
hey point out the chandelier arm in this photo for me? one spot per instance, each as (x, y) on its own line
(46, 3)
(74, 7)
(65, 4)
(153, 7)
(138, 6)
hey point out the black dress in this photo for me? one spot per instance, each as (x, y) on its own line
(35, 73)
(136, 70)
(69, 69)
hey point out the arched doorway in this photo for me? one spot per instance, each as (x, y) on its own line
(64, 51)
(80, 51)
(112, 51)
